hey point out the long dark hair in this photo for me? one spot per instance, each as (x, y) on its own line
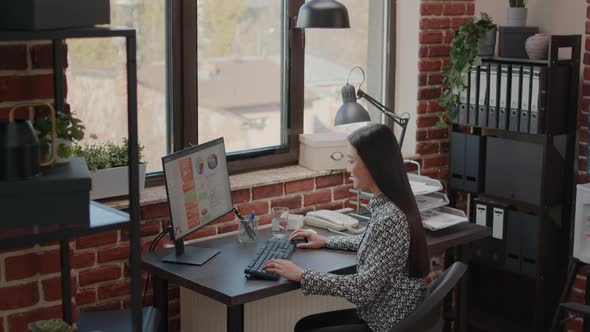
(378, 148)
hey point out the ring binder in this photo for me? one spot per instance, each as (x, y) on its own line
(473, 97)
(504, 104)
(493, 99)
(525, 100)
(482, 113)
(515, 94)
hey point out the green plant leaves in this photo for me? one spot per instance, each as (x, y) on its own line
(106, 155)
(67, 127)
(464, 55)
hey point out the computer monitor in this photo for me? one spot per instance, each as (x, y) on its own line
(197, 185)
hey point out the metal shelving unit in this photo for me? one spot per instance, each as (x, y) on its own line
(101, 218)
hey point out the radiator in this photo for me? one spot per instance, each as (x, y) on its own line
(274, 314)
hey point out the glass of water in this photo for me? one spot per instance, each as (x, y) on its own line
(280, 219)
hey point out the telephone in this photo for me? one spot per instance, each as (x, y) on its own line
(331, 220)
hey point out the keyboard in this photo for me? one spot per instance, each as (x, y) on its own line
(271, 249)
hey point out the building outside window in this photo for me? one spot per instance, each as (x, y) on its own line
(243, 59)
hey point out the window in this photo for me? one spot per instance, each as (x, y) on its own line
(331, 54)
(240, 68)
(96, 78)
(231, 68)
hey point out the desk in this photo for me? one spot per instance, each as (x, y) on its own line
(222, 278)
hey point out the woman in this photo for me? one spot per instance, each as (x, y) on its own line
(392, 257)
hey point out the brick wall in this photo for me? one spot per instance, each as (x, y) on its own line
(438, 20)
(25, 74)
(577, 291)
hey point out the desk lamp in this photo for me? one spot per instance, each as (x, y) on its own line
(351, 111)
(323, 14)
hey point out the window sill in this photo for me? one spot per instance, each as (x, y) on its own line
(157, 194)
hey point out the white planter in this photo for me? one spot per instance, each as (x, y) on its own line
(516, 17)
(111, 182)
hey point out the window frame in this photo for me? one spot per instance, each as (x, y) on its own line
(182, 91)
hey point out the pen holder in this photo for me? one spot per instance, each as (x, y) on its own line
(247, 230)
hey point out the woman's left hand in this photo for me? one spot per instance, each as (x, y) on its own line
(284, 268)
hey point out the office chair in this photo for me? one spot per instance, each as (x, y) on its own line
(426, 317)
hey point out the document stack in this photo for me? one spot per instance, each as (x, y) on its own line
(431, 202)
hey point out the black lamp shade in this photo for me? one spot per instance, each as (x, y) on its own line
(350, 111)
(323, 14)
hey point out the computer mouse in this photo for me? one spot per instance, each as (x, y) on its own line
(298, 240)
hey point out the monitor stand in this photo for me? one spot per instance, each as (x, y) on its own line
(190, 255)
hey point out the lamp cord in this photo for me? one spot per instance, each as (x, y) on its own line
(350, 73)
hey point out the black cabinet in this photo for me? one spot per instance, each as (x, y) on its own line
(526, 172)
(514, 170)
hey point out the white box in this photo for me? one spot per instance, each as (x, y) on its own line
(323, 151)
(582, 223)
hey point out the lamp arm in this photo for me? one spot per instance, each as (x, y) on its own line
(400, 120)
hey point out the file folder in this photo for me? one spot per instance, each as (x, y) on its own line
(504, 106)
(525, 99)
(515, 86)
(513, 241)
(473, 97)
(463, 102)
(493, 96)
(538, 93)
(529, 243)
(497, 216)
(498, 220)
(457, 164)
(481, 213)
(481, 216)
(475, 148)
(482, 104)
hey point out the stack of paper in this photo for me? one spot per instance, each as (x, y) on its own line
(431, 201)
(442, 218)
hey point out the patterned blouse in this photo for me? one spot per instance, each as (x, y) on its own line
(381, 288)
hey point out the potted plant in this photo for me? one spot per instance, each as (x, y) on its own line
(516, 13)
(474, 39)
(107, 163)
(69, 130)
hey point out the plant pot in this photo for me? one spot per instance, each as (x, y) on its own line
(516, 17)
(111, 182)
(487, 43)
(63, 144)
(537, 46)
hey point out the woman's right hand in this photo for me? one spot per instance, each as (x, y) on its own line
(314, 241)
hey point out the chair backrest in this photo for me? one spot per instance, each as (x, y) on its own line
(426, 317)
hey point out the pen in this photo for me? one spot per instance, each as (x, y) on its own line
(247, 227)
